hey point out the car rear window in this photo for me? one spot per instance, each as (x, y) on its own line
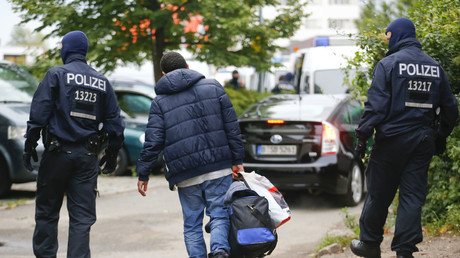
(16, 84)
(306, 108)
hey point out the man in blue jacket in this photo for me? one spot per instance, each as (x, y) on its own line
(408, 90)
(73, 107)
(193, 122)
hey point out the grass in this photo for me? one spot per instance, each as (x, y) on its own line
(351, 222)
(340, 240)
(13, 204)
(449, 223)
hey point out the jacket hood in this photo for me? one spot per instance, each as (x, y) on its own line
(403, 44)
(177, 80)
(74, 42)
(401, 28)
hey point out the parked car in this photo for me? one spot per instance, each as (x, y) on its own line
(118, 82)
(132, 144)
(305, 142)
(135, 106)
(135, 101)
(17, 87)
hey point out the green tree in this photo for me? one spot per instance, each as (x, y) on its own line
(24, 37)
(371, 26)
(375, 17)
(220, 32)
(438, 28)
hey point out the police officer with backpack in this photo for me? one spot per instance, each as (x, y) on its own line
(407, 90)
(75, 109)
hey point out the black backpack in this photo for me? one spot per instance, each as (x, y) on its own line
(252, 233)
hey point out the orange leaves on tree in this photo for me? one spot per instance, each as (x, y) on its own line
(145, 23)
(175, 19)
(134, 33)
(142, 29)
(193, 24)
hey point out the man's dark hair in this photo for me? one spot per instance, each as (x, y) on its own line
(172, 61)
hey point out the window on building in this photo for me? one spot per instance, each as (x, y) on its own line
(340, 23)
(340, 2)
(313, 24)
(18, 59)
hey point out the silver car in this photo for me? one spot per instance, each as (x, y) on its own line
(17, 87)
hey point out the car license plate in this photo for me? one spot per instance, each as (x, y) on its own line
(276, 150)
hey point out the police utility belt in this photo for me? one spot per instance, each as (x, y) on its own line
(93, 143)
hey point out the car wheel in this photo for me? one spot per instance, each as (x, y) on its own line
(355, 187)
(5, 183)
(122, 163)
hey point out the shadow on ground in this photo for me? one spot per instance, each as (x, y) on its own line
(16, 196)
(305, 200)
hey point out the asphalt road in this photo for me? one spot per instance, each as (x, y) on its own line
(129, 225)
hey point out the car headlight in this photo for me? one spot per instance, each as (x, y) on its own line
(16, 132)
(142, 138)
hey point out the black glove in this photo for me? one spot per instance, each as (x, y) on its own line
(110, 161)
(440, 145)
(360, 149)
(29, 152)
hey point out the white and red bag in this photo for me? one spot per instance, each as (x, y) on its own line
(278, 208)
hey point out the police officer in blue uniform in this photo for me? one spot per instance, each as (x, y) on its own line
(408, 88)
(75, 109)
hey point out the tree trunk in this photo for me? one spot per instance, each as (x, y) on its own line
(157, 49)
(157, 45)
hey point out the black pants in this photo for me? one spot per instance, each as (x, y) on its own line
(403, 162)
(72, 171)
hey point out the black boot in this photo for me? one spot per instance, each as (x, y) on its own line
(406, 255)
(363, 249)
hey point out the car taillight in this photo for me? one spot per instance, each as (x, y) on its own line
(330, 144)
(275, 121)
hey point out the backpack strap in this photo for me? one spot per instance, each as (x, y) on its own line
(273, 245)
(267, 223)
(241, 179)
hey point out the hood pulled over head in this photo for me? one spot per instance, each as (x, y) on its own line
(401, 28)
(177, 80)
(288, 77)
(74, 42)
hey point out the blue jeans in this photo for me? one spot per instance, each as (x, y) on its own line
(194, 199)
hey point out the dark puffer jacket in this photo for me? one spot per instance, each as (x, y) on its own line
(193, 121)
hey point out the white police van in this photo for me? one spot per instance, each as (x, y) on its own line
(319, 70)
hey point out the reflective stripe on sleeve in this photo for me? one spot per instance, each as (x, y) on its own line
(82, 115)
(418, 105)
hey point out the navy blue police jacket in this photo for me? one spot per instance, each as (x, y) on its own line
(75, 101)
(407, 87)
(193, 122)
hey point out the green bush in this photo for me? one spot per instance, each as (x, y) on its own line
(243, 99)
(442, 207)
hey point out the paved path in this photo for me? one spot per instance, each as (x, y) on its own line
(129, 225)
